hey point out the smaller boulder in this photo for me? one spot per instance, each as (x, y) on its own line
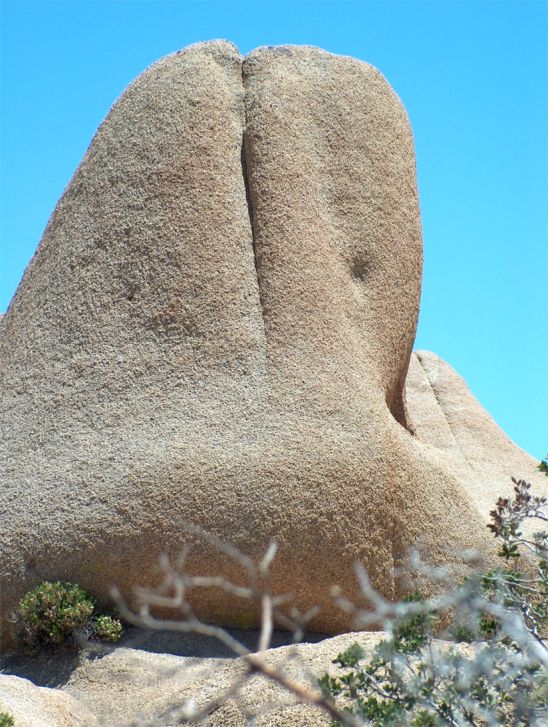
(33, 706)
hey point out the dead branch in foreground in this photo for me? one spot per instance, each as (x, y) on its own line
(472, 600)
(173, 594)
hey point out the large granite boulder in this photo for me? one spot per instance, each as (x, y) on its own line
(216, 328)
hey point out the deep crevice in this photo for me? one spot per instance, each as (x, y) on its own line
(249, 202)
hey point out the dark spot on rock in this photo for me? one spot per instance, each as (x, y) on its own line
(360, 269)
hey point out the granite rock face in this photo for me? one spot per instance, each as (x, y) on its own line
(216, 328)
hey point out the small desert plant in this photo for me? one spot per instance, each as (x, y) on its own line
(500, 678)
(6, 720)
(105, 628)
(521, 582)
(53, 612)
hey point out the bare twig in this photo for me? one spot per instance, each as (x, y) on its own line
(173, 594)
(505, 602)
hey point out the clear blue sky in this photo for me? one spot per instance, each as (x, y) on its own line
(473, 76)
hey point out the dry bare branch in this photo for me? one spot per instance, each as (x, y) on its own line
(173, 594)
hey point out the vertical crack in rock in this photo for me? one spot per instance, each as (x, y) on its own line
(249, 198)
(442, 410)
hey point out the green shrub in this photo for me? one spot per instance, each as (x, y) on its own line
(6, 720)
(500, 677)
(105, 628)
(53, 612)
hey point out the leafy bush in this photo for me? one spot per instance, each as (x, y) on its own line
(6, 720)
(525, 590)
(52, 613)
(105, 628)
(499, 678)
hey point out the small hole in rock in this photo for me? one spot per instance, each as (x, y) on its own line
(359, 269)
